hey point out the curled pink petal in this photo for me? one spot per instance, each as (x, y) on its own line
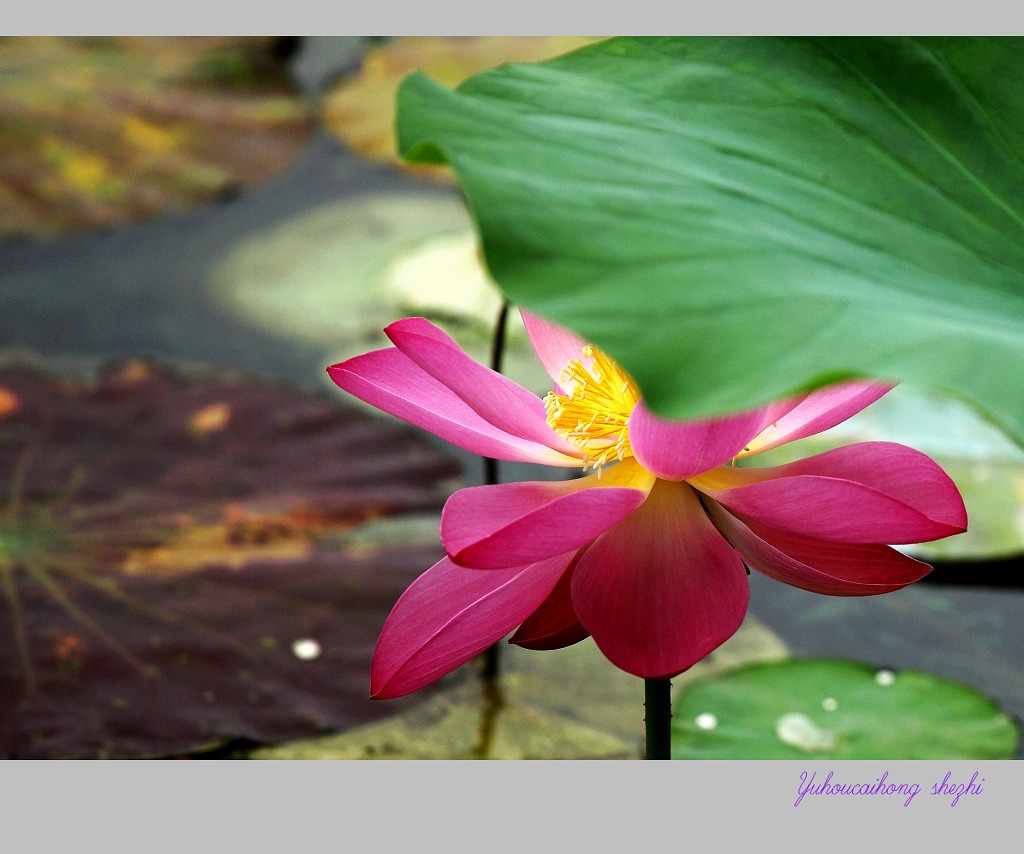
(511, 524)
(392, 382)
(835, 569)
(899, 471)
(555, 346)
(493, 396)
(872, 492)
(554, 625)
(450, 614)
(661, 589)
(675, 450)
(818, 411)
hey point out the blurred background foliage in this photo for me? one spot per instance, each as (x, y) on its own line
(360, 110)
(96, 131)
(100, 131)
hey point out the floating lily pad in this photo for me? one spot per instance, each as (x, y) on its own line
(101, 131)
(187, 560)
(360, 109)
(445, 277)
(987, 466)
(835, 709)
(339, 275)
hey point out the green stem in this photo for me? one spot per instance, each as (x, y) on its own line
(491, 655)
(658, 718)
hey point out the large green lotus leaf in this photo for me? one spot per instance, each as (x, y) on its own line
(835, 709)
(736, 219)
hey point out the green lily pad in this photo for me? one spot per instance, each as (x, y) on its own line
(835, 709)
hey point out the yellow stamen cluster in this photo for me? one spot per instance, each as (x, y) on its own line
(595, 415)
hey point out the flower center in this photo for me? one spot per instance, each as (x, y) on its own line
(595, 415)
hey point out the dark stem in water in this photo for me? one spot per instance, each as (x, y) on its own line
(658, 718)
(492, 702)
(497, 359)
(498, 342)
(491, 655)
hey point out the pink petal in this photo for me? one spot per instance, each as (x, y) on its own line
(511, 524)
(818, 411)
(554, 625)
(835, 569)
(556, 346)
(494, 397)
(872, 492)
(675, 450)
(662, 589)
(450, 614)
(395, 384)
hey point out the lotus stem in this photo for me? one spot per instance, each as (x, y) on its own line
(658, 718)
(492, 664)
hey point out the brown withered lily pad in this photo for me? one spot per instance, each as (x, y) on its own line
(187, 561)
(360, 110)
(99, 131)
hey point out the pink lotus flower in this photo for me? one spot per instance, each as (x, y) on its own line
(646, 553)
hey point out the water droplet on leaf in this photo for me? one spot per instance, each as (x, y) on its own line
(800, 731)
(885, 678)
(706, 721)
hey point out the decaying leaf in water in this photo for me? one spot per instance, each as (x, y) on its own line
(164, 586)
